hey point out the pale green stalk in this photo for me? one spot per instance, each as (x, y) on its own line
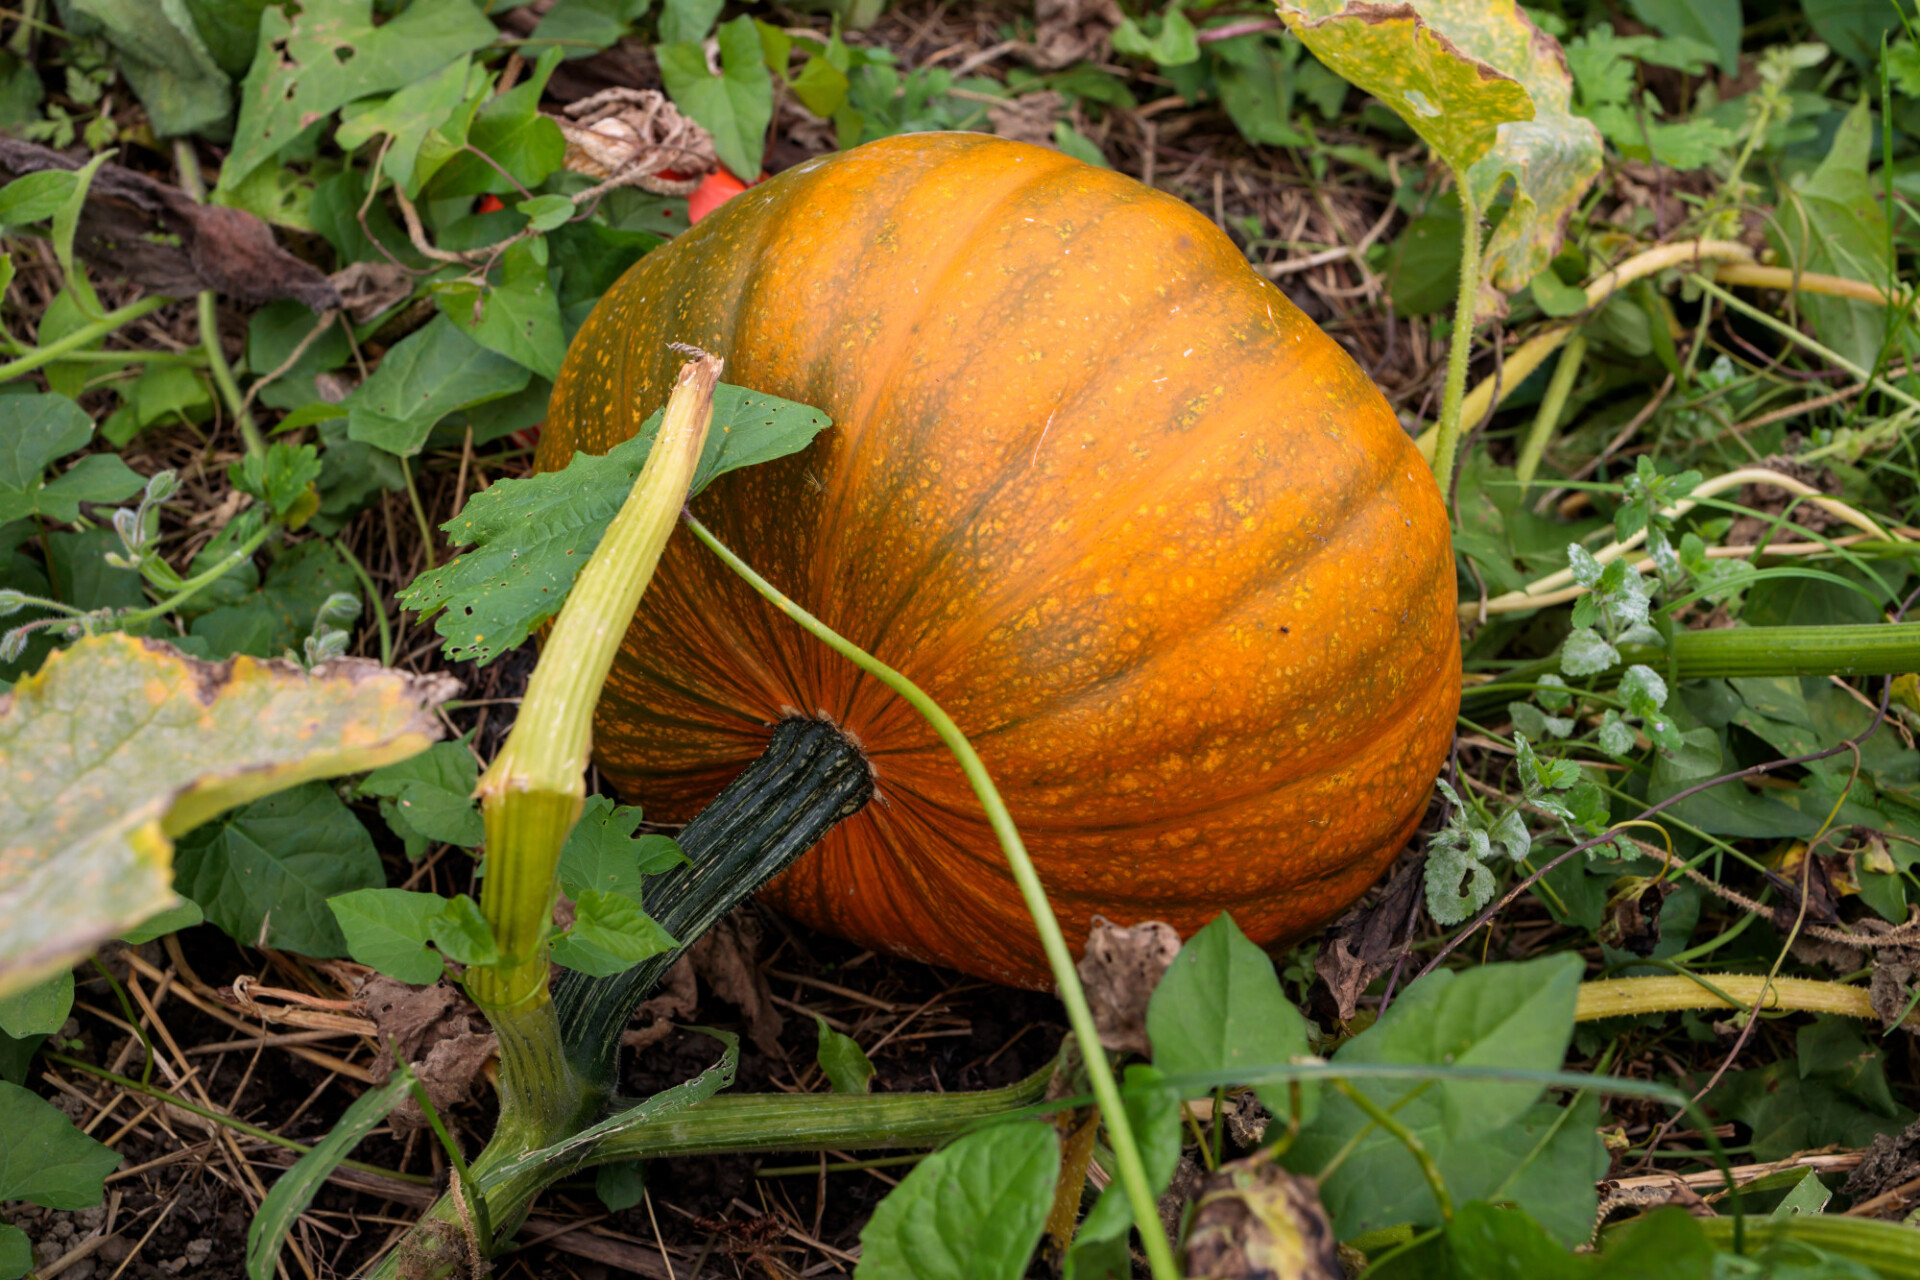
(1551, 406)
(1133, 1174)
(1447, 441)
(209, 316)
(80, 337)
(532, 793)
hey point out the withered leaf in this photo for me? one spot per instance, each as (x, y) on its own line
(1120, 970)
(157, 237)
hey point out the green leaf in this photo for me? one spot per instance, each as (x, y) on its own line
(1833, 1090)
(820, 87)
(510, 129)
(45, 1160)
(735, 106)
(273, 620)
(610, 935)
(603, 853)
(40, 429)
(389, 929)
(970, 1211)
(1554, 296)
(329, 53)
(592, 255)
(264, 874)
(117, 745)
(1220, 1008)
(1254, 77)
(544, 213)
(1832, 223)
(519, 318)
(163, 58)
(1176, 44)
(1483, 1134)
(38, 1011)
(166, 393)
(842, 1060)
(1489, 92)
(688, 21)
(409, 117)
(183, 915)
(462, 933)
(620, 1185)
(1423, 264)
(295, 1188)
(230, 30)
(274, 334)
(1853, 28)
(1714, 23)
(1667, 1244)
(279, 477)
(425, 377)
(35, 197)
(599, 23)
(529, 538)
(1491, 1243)
(434, 793)
(16, 1252)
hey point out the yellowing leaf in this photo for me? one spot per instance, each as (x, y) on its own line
(118, 745)
(1489, 92)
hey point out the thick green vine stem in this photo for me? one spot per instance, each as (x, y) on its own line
(531, 794)
(729, 1123)
(810, 777)
(1722, 653)
(1460, 348)
(1133, 1173)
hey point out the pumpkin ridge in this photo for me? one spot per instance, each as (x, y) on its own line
(953, 540)
(1367, 478)
(827, 567)
(1371, 485)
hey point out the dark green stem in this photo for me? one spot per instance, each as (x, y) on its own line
(808, 779)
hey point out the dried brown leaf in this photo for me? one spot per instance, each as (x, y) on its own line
(653, 1020)
(1368, 941)
(1120, 969)
(158, 237)
(724, 959)
(369, 288)
(1070, 31)
(1893, 1160)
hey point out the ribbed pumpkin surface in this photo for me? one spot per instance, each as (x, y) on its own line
(1147, 534)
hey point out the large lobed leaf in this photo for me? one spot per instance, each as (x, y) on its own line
(1489, 92)
(118, 745)
(528, 539)
(329, 53)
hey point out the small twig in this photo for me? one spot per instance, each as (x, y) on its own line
(280, 370)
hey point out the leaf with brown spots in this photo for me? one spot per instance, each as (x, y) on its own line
(1489, 92)
(119, 745)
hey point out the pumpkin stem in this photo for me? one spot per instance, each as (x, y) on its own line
(530, 796)
(1132, 1170)
(809, 778)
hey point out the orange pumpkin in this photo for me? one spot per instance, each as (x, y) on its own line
(1148, 535)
